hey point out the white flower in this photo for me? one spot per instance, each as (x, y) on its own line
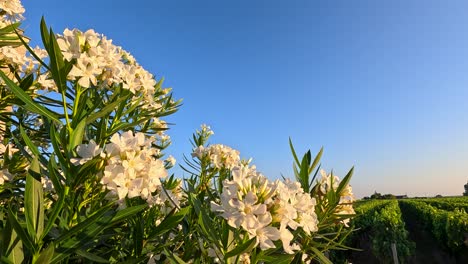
(12, 8)
(131, 168)
(85, 71)
(87, 152)
(171, 161)
(328, 182)
(345, 205)
(5, 175)
(265, 236)
(220, 156)
(11, 149)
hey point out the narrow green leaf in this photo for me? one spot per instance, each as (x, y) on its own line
(44, 34)
(316, 160)
(244, 247)
(10, 28)
(96, 217)
(105, 110)
(54, 175)
(23, 236)
(128, 212)
(30, 105)
(173, 257)
(94, 258)
(57, 207)
(28, 142)
(345, 181)
(76, 136)
(56, 63)
(88, 234)
(14, 252)
(46, 255)
(26, 82)
(322, 258)
(304, 172)
(277, 259)
(55, 140)
(293, 152)
(34, 201)
(170, 222)
(31, 51)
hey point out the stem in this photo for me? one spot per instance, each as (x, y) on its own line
(67, 119)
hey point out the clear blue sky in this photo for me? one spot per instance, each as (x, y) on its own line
(382, 85)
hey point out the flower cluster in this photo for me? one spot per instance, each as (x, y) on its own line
(330, 182)
(220, 156)
(131, 168)
(11, 10)
(100, 63)
(267, 210)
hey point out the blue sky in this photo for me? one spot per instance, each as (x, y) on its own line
(380, 85)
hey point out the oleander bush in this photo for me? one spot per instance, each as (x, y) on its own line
(84, 174)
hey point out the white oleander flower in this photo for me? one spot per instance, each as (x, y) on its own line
(12, 8)
(132, 170)
(101, 64)
(220, 156)
(86, 152)
(5, 175)
(345, 205)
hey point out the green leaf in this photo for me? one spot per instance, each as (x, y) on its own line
(57, 65)
(30, 105)
(34, 201)
(84, 224)
(277, 259)
(293, 152)
(9, 29)
(14, 252)
(83, 238)
(105, 110)
(94, 258)
(20, 231)
(322, 258)
(31, 51)
(170, 222)
(173, 257)
(345, 181)
(55, 140)
(76, 136)
(244, 247)
(26, 82)
(304, 172)
(29, 143)
(46, 255)
(128, 212)
(44, 34)
(57, 207)
(316, 160)
(54, 175)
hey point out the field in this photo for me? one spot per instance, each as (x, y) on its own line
(429, 230)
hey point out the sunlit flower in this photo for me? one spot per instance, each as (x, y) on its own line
(86, 152)
(132, 170)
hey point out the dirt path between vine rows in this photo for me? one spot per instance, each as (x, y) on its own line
(427, 248)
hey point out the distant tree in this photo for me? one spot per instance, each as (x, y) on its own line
(366, 198)
(466, 190)
(388, 196)
(438, 196)
(376, 195)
